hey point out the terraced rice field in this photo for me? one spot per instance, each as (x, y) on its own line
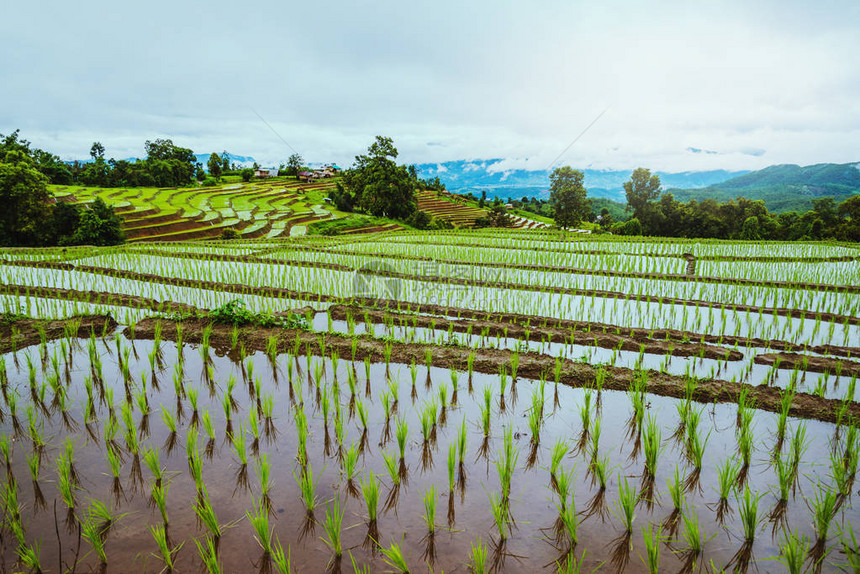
(461, 214)
(268, 209)
(458, 401)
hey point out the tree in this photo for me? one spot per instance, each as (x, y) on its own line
(99, 225)
(295, 164)
(605, 218)
(568, 196)
(67, 217)
(751, 229)
(247, 174)
(378, 185)
(24, 196)
(97, 151)
(214, 165)
(641, 190)
(169, 165)
(225, 161)
(483, 201)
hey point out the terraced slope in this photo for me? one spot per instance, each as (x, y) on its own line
(462, 214)
(257, 209)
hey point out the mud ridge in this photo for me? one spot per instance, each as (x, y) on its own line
(531, 365)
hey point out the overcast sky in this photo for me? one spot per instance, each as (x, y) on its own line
(684, 86)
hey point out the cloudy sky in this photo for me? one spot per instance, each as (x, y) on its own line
(684, 86)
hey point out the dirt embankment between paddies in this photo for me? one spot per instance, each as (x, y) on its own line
(810, 363)
(605, 339)
(98, 298)
(20, 333)
(281, 292)
(580, 332)
(531, 365)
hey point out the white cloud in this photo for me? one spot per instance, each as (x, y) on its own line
(761, 83)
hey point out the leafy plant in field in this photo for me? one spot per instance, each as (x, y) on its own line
(235, 313)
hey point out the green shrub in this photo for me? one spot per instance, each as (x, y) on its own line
(235, 313)
(209, 182)
(229, 233)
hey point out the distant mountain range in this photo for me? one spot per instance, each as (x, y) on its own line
(786, 187)
(782, 187)
(463, 176)
(240, 160)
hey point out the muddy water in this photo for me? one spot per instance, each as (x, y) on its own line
(130, 546)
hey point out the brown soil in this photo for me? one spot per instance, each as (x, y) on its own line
(531, 365)
(600, 338)
(26, 331)
(98, 297)
(810, 363)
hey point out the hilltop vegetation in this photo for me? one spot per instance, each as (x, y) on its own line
(784, 187)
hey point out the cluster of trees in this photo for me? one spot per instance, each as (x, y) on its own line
(166, 165)
(31, 217)
(659, 213)
(377, 185)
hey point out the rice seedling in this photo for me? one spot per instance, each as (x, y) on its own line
(206, 515)
(208, 551)
(626, 504)
(263, 470)
(307, 489)
(478, 558)
(332, 527)
(694, 537)
(349, 463)
(239, 442)
(258, 517)
(393, 556)
(166, 552)
(282, 560)
(170, 422)
(499, 510)
(793, 551)
(651, 536)
(676, 494)
(94, 533)
(535, 417)
(29, 556)
(430, 510)
(824, 506)
(114, 462)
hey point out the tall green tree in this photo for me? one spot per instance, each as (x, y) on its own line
(214, 165)
(294, 164)
(97, 151)
(99, 225)
(568, 196)
(642, 190)
(378, 185)
(24, 196)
